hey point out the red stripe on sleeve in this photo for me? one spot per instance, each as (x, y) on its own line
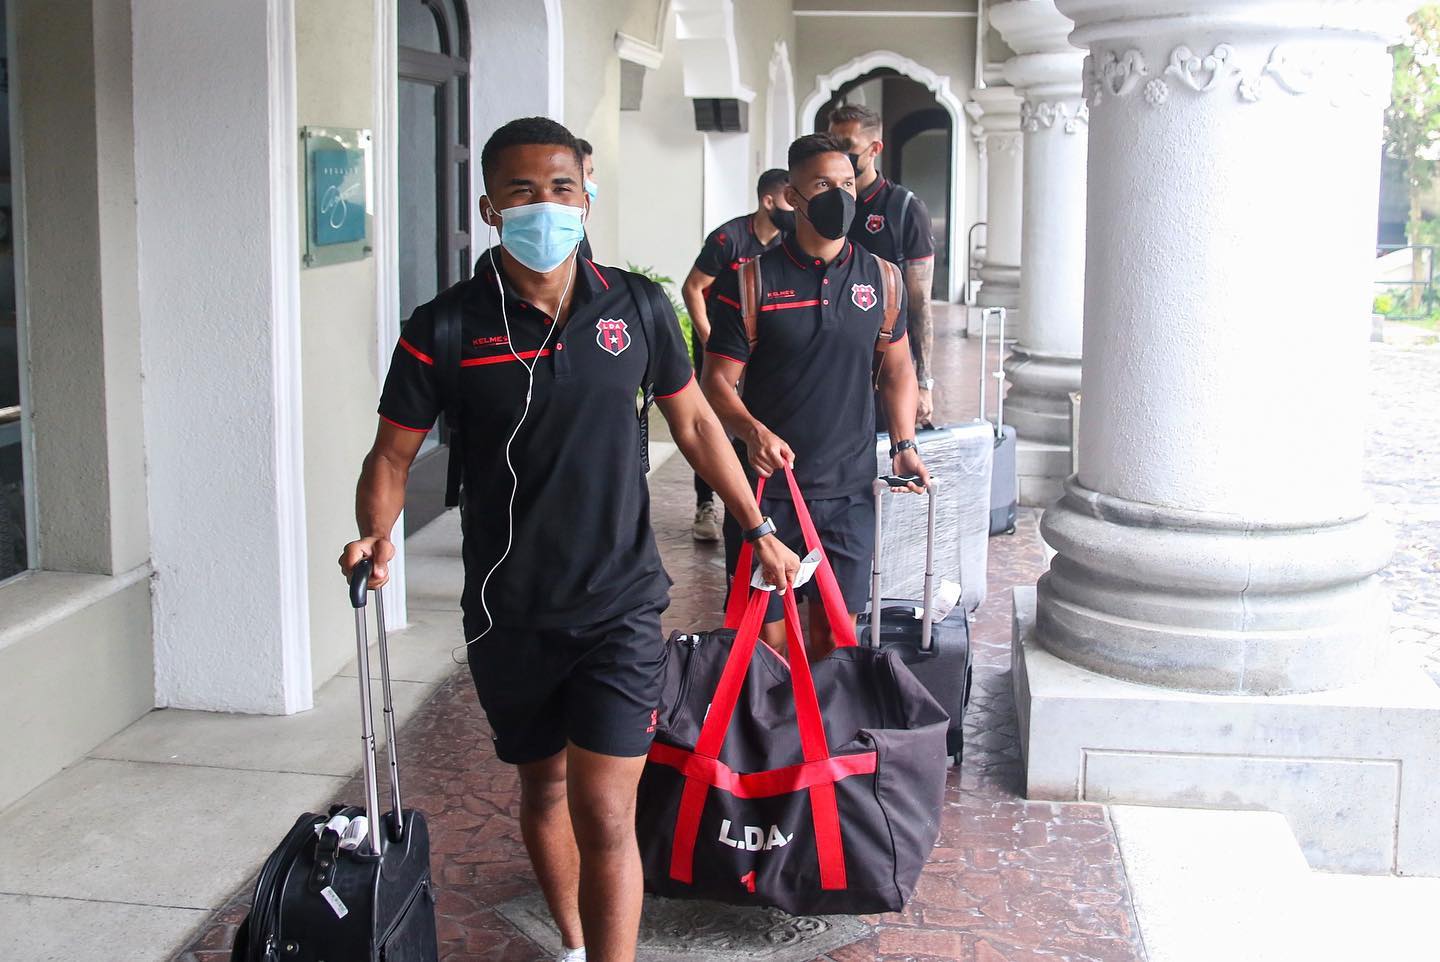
(421, 355)
(661, 397)
(725, 356)
(725, 300)
(404, 427)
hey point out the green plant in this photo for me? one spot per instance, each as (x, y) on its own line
(1384, 303)
(667, 284)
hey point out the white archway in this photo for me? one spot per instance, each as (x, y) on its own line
(939, 84)
(779, 106)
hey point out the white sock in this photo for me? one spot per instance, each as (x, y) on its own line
(571, 955)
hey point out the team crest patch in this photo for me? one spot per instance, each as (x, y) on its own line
(863, 295)
(875, 223)
(612, 335)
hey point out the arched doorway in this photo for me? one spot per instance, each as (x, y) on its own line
(922, 118)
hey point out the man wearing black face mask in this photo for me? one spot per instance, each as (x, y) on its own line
(891, 222)
(734, 242)
(808, 359)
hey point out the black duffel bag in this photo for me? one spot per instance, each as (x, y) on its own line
(743, 798)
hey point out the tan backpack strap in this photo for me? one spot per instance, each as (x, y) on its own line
(750, 294)
(890, 282)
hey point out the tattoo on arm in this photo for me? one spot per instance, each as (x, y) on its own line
(918, 278)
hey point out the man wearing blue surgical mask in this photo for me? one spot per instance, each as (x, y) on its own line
(592, 191)
(563, 582)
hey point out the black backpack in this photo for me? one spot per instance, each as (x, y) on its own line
(448, 308)
(895, 210)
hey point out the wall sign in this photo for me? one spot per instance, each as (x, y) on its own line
(337, 172)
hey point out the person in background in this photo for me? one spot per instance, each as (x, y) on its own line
(592, 190)
(732, 243)
(809, 394)
(891, 222)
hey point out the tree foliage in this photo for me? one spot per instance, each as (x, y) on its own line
(1412, 122)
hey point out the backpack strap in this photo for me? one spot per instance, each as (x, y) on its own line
(640, 293)
(448, 316)
(895, 220)
(750, 297)
(890, 284)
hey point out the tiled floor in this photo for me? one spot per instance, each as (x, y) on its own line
(1009, 879)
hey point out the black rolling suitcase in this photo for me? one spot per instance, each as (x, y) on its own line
(318, 902)
(1004, 480)
(936, 652)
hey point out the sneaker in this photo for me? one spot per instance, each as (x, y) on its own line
(571, 955)
(707, 523)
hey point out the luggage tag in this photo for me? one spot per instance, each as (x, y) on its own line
(808, 566)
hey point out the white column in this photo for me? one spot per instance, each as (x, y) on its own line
(1217, 557)
(1045, 364)
(220, 338)
(997, 108)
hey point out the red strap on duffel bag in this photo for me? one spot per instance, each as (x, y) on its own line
(842, 629)
(817, 774)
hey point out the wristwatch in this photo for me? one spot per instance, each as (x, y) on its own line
(907, 445)
(765, 527)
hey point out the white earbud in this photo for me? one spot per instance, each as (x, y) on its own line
(524, 413)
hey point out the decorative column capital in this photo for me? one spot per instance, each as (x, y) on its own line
(1242, 50)
(1046, 64)
(1069, 117)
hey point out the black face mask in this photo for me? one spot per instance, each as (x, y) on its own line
(784, 220)
(831, 213)
(854, 162)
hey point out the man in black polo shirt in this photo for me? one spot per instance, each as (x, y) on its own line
(808, 394)
(734, 242)
(592, 191)
(891, 222)
(563, 583)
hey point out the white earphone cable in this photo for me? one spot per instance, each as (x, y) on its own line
(524, 413)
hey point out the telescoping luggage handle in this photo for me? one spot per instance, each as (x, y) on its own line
(998, 374)
(842, 630)
(927, 619)
(359, 580)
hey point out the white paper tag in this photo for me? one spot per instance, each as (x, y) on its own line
(340, 910)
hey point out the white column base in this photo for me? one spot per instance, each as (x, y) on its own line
(1355, 770)
(1038, 402)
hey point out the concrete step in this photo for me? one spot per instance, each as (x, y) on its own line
(1037, 459)
(1234, 885)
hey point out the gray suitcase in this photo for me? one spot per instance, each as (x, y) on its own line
(961, 455)
(937, 651)
(1004, 481)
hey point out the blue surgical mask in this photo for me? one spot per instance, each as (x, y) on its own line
(541, 236)
(592, 188)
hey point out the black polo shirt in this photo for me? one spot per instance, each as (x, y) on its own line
(872, 230)
(583, 550)
(733, 242)
(808, 378)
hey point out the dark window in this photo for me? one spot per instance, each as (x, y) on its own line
(433, 189)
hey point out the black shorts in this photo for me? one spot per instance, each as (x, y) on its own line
(597, 686)
(847, 533)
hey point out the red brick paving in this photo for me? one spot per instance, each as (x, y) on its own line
(1009, 880)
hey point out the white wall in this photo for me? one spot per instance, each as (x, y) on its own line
(337, 332)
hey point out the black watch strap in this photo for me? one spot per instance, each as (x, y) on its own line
(765, 527)
(907, 445)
